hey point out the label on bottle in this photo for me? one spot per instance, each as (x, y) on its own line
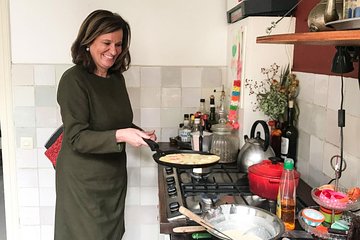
(185, 135)
(284, 147)
(278, 205)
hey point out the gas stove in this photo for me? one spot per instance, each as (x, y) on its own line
(200, 189)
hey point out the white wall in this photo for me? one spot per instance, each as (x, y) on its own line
(164, 32)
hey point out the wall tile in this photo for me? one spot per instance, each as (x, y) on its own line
(47, 232)
(166, 133)
(149, 215)
(150, 97)
(318, 119)
(191, 97)
(27, 178)
(30, 233)
(148, 176)
(133, 177)
(334, 94)
(170, 77)
(307, 85)
(47, 196)
(133, 196)
(352, 96)
(149, 231)
(22, 75)
(29, 197)
(133, 156)
(24, 116)
(316, 154)
(150, 76)
(43, 161)
(134, 95)
(211, 77)
(350, 175)
(45, 96)
(321, 90)
(29, 216)
(150, 117)
(132, 77)
(47, 215)
(191, 77)
(352, 132)
(24, 96)
(43, 135)
(46, 178)
(44, 75)
(303, 147)
(329, 151)
(137, 116)
(171, 97)
(302, 166)
(332, 130)
(149, 196)
(26, 158)
(171, 117)
(146, 157)
(59, 71)
(305, 117)
(46, 117)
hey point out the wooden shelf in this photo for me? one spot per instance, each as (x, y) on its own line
(336, 38)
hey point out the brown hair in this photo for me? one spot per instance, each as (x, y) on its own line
(97, 23)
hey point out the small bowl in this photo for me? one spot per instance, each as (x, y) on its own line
(312, 217)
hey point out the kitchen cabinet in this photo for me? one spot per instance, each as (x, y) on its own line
(336, 38)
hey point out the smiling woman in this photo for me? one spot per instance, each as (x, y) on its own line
(91, 174)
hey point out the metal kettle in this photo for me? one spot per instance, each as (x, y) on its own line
(255, 149)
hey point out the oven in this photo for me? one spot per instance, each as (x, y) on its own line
(202, 188)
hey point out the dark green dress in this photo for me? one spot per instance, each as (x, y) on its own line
(91, 177)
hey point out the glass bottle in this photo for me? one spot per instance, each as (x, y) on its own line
(275, 137)
(212, 114)
(185, 133)
(289, 137)
(221, 112)
(202, 108)
(286, 202)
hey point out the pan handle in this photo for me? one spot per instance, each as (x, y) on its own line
(154, 146)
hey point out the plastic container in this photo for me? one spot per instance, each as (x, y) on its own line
(328, 212)
(312, 217)
(286, 202)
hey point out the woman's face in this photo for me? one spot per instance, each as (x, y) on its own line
(104, 51)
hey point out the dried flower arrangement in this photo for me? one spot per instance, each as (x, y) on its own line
(272, 95)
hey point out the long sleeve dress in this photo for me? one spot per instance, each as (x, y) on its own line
(91, 177)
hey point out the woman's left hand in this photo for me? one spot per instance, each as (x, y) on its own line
(151, 134)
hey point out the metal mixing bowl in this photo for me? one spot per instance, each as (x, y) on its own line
(246, 219)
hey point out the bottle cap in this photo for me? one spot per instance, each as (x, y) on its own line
(202, 100)
(289, 164)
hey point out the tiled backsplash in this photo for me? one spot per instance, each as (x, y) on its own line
(160, 96)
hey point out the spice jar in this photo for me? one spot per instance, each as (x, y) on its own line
(225, 143)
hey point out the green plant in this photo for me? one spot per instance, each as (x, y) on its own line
(272, 95)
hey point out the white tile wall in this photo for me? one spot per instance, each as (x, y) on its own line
(159, 95)
(44, 75)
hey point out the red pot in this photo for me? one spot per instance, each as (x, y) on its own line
(264, 178)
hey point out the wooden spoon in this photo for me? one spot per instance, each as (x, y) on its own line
(202, 222)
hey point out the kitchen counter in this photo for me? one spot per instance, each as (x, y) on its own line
(303, 192)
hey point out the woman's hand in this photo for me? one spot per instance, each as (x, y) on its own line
(134, 136)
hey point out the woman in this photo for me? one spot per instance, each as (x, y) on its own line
(91, 177)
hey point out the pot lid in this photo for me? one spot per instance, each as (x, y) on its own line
(269, 168)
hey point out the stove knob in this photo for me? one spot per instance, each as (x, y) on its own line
(171, 190)
(174, 206)
(169, 170)
(170, 181)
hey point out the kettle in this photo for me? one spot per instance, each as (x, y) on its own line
(255, 149)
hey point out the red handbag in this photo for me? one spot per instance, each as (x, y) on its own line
(53, 145)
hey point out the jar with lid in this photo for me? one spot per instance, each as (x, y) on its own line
(225, 142)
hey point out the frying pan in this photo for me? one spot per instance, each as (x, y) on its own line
(160, 153)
